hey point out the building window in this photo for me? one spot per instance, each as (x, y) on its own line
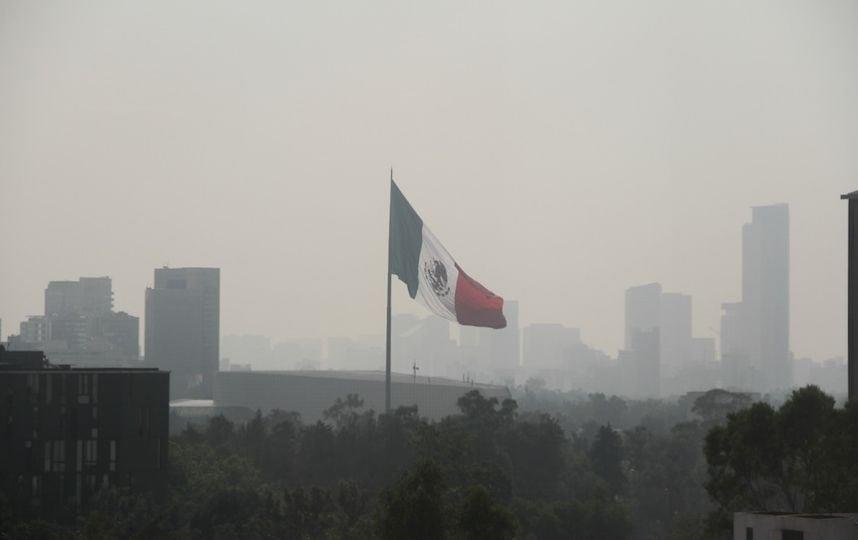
(62, 390)
(83, 388)
(789, 534)
(91, 453)
(33, 387)
(749, 533)
(112, 455)
(47, 453)
(36, 421)
(10, 406)
(59, 456)
(142, 421)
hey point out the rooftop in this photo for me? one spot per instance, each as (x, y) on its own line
(29, 361)
(373, 376)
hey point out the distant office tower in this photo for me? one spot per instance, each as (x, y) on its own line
(79, 326)
(69, 330)
(765, 293)
(675, 334)
(121, 331)
(183, 328)
(89, 296)
(34, 329)
(643, 309)
(549, 346)
(736, 371)
(645, 348)
(755, 332)
(643, 339)
(658, 332)
(703, 350)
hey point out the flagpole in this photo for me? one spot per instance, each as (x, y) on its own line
(387, 348)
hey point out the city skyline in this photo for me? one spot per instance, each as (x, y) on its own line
(587, 172)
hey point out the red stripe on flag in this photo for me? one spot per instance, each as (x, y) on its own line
(476, 305)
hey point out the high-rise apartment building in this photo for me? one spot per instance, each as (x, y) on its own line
(80, 327)
(88, 296)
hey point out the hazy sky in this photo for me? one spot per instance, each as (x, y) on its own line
(561, 150)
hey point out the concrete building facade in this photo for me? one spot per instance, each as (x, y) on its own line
(68, 432)
(182, 332)
(787, 526)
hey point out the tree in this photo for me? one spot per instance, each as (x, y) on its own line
(606, 454)
(481, 518)
(343, 412)
(414, 507)
(784, 460)
(716, 404)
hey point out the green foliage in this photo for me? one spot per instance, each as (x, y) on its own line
(795, 458)
(558, 466)
(482, 518)
(414, 507)
(598, 518)
(715, 405)
(606, 454)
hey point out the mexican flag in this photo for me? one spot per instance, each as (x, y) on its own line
(422, 263)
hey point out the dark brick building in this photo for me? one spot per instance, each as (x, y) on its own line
(67, 432)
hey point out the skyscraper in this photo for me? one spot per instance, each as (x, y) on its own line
(643, 309)
(675, 338)
(643, 339)
(183, 328)
(548, 346)
(758, 327)
(658, 337)
(765, 293)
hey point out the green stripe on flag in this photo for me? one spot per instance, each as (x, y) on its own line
(405, 241)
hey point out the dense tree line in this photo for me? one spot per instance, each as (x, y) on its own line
(797, 458)
(493, 471)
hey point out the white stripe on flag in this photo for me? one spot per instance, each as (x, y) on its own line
(437, 275)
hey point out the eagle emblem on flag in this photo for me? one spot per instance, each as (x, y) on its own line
(436, 275)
